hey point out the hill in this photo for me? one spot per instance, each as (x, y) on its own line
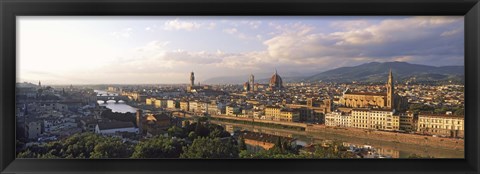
(403, 71)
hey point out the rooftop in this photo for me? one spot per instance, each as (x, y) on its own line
(366, 93)
(263, 137)
(115, 125)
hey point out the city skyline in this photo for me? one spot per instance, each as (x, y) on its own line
(163, 50)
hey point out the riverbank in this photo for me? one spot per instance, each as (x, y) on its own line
(395, 149)
(354, 133)
(393, 137)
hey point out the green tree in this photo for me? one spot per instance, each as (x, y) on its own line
(111, 149)
(205, 147)
(459, 111)
(241, 144)
(175, 131)
(158, 147)
(79, 146)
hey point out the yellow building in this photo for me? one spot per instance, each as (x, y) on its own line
(232, 110)
(313, 111)
(407, 122)
(272, 112)
(338, 119)
(171, 104)
(288, 115)
(363, 100)
(379, 119)
(160, 103)
(184, 105)
(369, 99)
(443, 125)
(150, 101)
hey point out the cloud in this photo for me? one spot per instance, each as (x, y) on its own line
(302, 46)
(452, 32)
(211, 25)
(197, 58)
(240, 35)
(230, 30)
(124, 33)
(252, 24)
(181, 25)
(414, 39)
(285, 45)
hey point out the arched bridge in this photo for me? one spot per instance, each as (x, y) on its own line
(106, 98)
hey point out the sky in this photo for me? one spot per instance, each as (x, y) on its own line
(165, 49)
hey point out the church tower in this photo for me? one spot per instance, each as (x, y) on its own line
(390, 92)
(252, 83)
(192, 79)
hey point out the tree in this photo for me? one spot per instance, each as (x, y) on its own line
(192, 135)
(111, 149)
(158, 147)
(175, 131)
(80, 146)
(205, 147)
(459, 111)
(241, 144)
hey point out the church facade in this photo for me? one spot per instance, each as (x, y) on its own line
(372, 100)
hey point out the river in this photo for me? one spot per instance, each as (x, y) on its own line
(395, 150)
(121, 106)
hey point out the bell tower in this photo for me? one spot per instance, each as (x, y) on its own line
(252, 83)
(390, 90)
(192, 79)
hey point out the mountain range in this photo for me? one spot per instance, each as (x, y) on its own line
(368, 72)
(402, 71)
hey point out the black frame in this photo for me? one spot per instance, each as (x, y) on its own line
(11, 8)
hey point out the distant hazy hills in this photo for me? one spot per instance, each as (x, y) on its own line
(368, 72)
(403, 71)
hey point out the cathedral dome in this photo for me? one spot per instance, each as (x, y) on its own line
(276, 81)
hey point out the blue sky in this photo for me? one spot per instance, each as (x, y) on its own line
(160, 50)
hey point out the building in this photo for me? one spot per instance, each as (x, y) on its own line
(379, 119)
(184, 105)
(193, 106)
(276, 82)
(407, 122)
(150, 101)
(34, 130)
(441, 124)
(159, 120)
(139, 120)
(251, 82)
(261, 141)
(112, 128)
(313, 111)
(386, 100)
(246, 86)
(232, 110)
(338, 119)
(192, 79)
(363, 99)
(288, 115)
(213, 109)
(171, 104)
(272, 112)
(161, 103)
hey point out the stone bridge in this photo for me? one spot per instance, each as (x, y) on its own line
(116, 98)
